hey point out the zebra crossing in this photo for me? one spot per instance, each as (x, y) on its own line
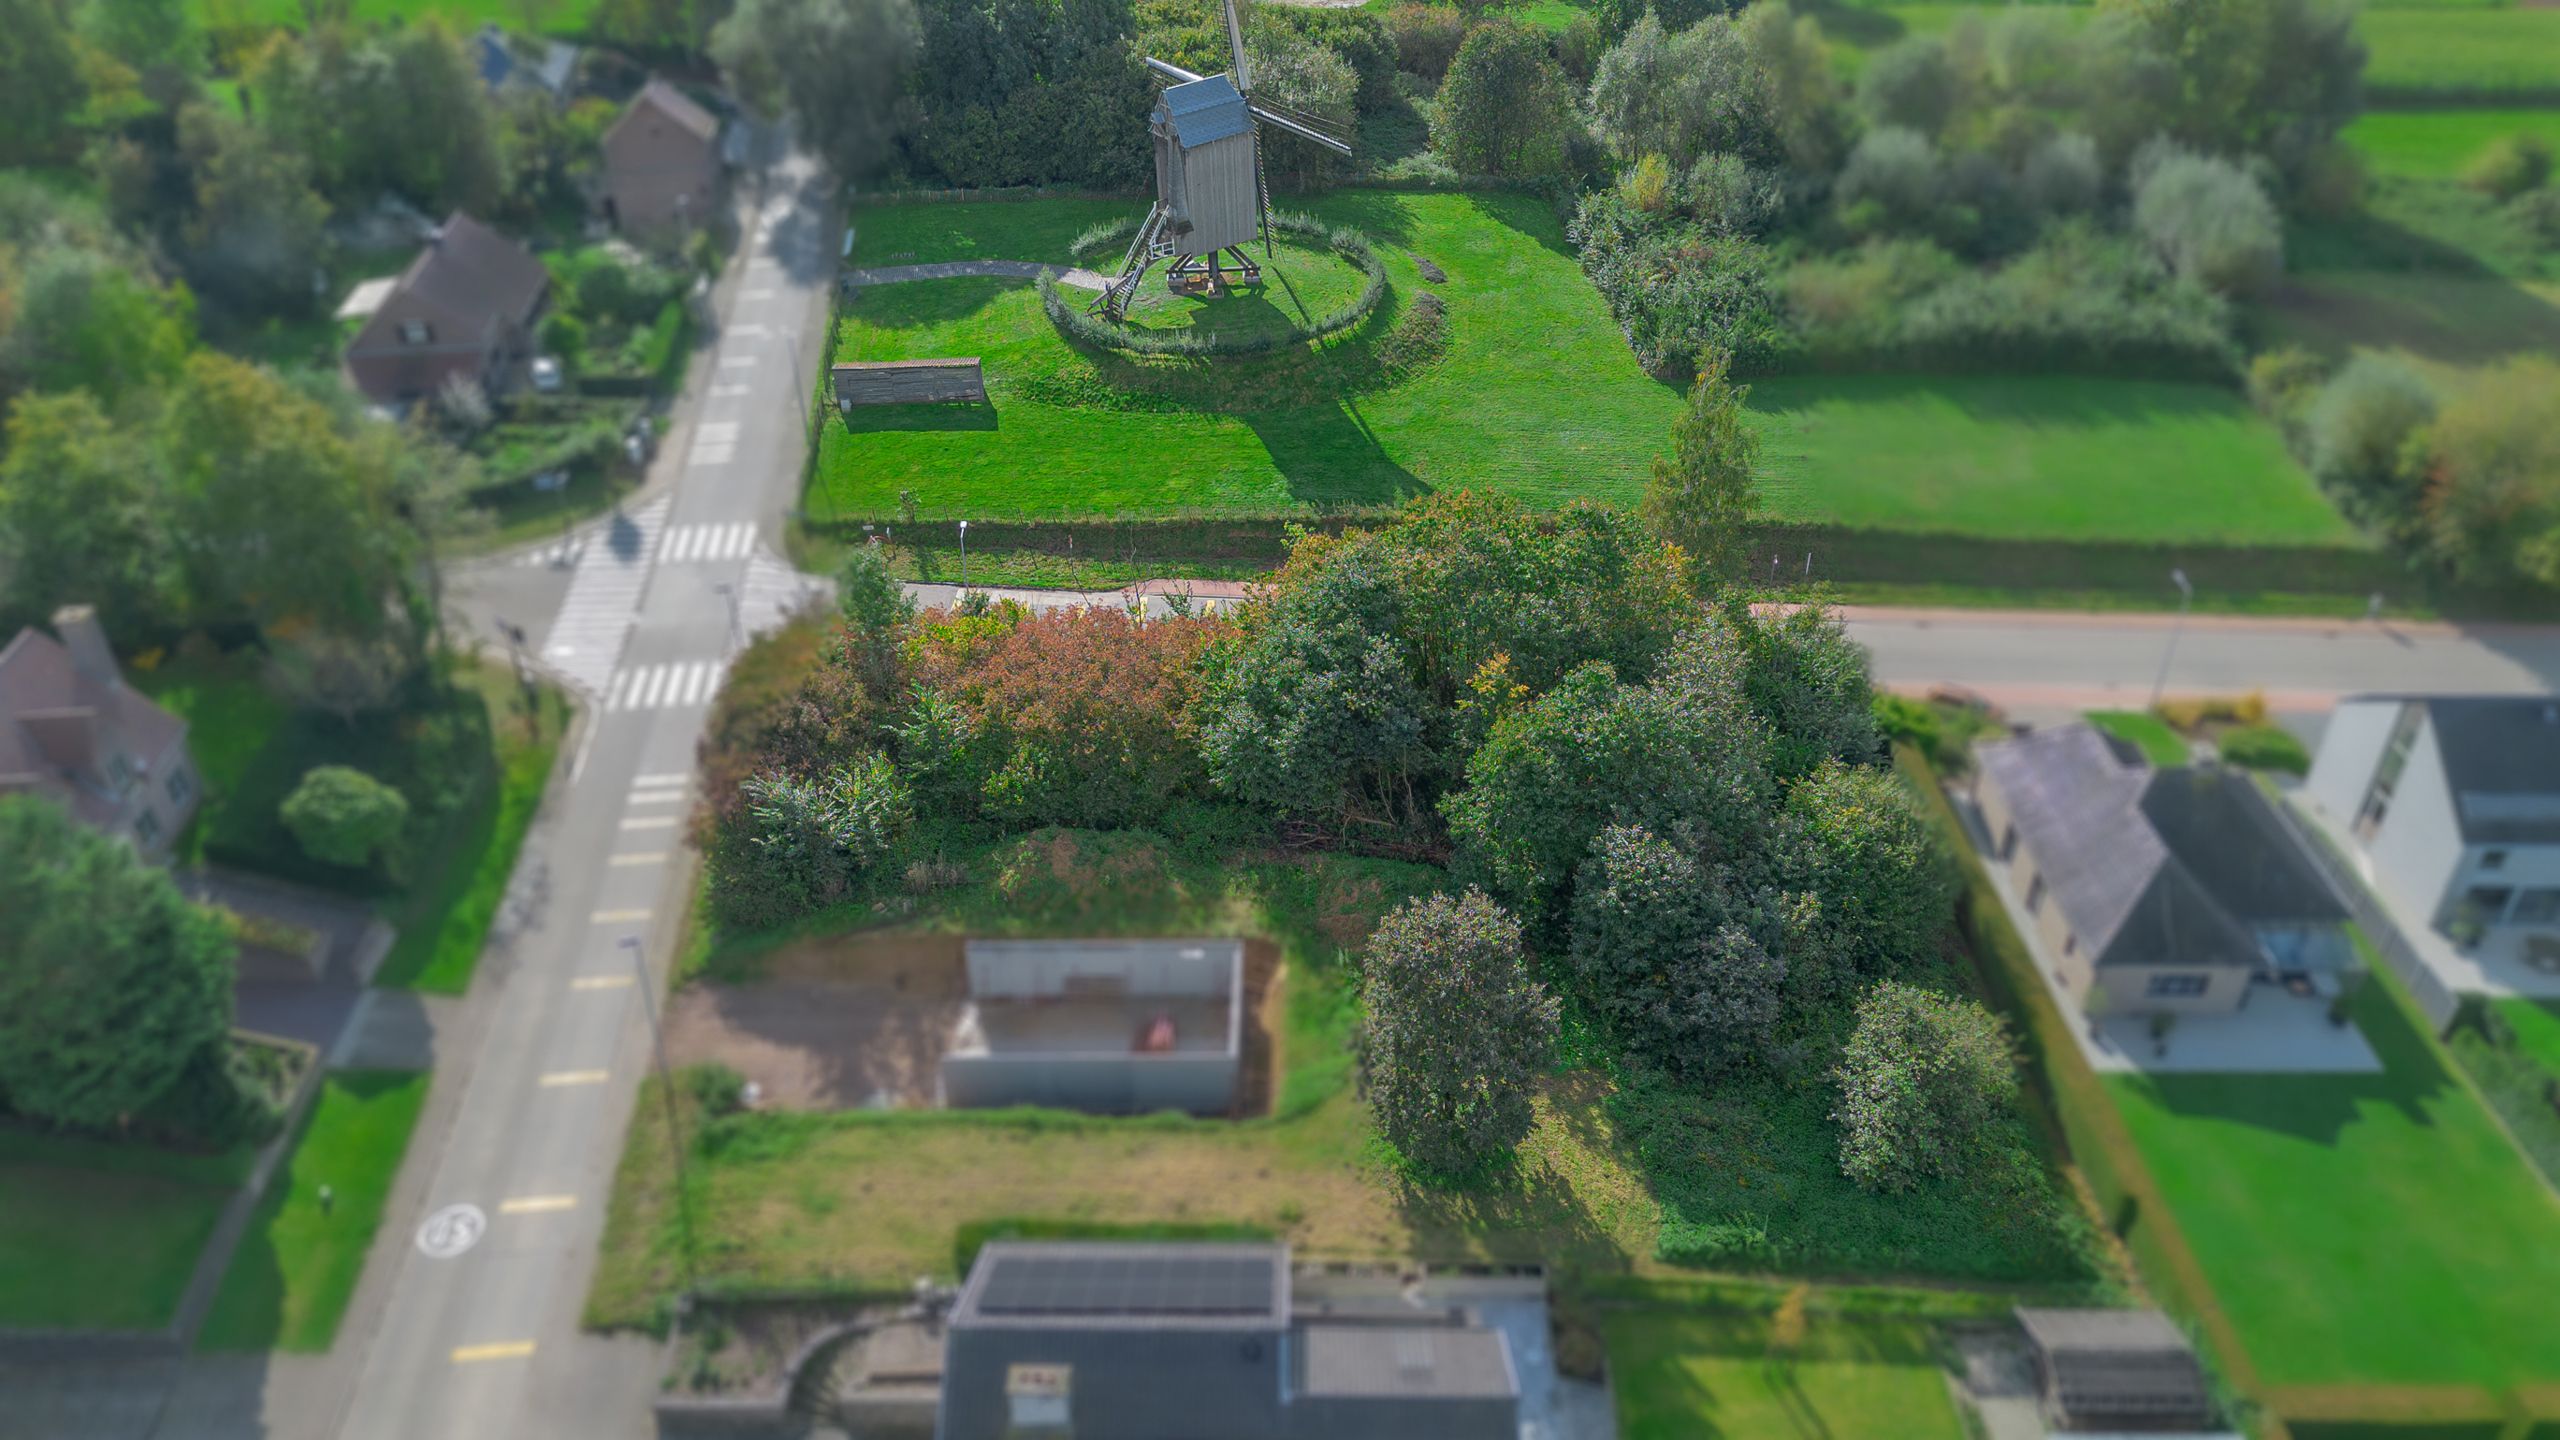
(686, 544)
(673, 686)
(595, 616)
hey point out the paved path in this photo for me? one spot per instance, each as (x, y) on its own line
(1079, 277)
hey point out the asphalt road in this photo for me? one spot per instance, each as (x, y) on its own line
(642, 620)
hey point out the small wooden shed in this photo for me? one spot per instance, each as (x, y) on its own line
(957, 380)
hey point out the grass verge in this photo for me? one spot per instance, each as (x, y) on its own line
(1681, 1374)
(2146, 732)
(100, 1236)
(298, 1265)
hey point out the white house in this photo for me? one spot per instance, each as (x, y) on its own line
(2454, 802)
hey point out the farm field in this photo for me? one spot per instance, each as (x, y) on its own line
(1072, 434)
(2359, 1229)
(102, 1236)
(556, 17)
(2436, 144)
(1677, 1375)
(2041, 458)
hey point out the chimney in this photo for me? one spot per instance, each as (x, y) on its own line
(86, 639)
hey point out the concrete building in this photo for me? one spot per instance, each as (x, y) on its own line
(73, 731)
(464, 307)
(1112, 1026)
(2454, 804)
(1103, 1341)
(662, 165)
(2153, 890)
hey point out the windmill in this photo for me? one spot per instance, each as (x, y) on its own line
(1210, 193)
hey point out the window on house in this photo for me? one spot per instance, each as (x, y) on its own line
(415, 332)
(2489, 902)
(119, 769)
(2386, 774)
(180, 786)
(2176, 987)
(2035, 895)
(146, 828)
(2008, 841)
(2493, 859)
(2537, 906)
(2070, 944)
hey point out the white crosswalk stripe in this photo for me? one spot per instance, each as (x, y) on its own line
(685, 544)
(715, 442)
(677, 685)
(773, 592)
(586, 640)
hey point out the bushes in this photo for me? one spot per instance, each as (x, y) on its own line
(1457, 1033)
(342, 816)
(800, 845)
(2208, 220)
(1680, 292)
(1660, 953)
(2264, 747)
(1924, 1084)
(1083, 327)
(1426, 38)
(2509, 166)
(1504, 108)
(2357, 435)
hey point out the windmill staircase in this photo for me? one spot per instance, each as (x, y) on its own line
(1148, 246)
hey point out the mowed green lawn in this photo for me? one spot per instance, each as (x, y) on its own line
(295, 1270)
(2034, 458)
(96, 1236)
(2437, 144)
(551, 17)
(2373, 1229)
(1681, 1375)
(1534, 392)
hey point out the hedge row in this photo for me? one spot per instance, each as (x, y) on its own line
(1083, 327)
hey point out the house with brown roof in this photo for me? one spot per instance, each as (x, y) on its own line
(465, 306)
(662, 164)
(72, 731)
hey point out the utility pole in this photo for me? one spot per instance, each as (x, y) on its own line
(2186, 596)
(666, 1092)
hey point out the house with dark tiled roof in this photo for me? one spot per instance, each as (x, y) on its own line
(2153, 889)
(464, 307)
(72, 731)
(662, 164)
(2454, 803)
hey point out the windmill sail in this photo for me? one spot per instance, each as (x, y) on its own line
(1235, 47)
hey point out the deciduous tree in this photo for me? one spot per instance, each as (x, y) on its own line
(837, 67)
(1456, 1035)
(1505, 108)
(1925, 1081)
(342, 816)
(1663, 955)
(1703, 494)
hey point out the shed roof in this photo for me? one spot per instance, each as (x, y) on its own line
(2118, 1363)
(2153, 866)
(1400, 1361)
(1204, 110)
(1110, 1284)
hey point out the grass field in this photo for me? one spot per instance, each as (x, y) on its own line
(101, 1236)
(2159, 744)
(2465, 52)
(555, 17)
(2034, 458)
(2436, 144)
(1358, 423)
(298, 1264)
(2360, 1229)
(1680, 1375)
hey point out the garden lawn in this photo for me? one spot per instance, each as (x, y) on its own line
(297, 1266)
(2360, 1229)
(1534, 393)
(2537, 1029)
(2034, 458)
(559, 17)
(2437, 144)
(230, 717)
(1680, 1375)
(101, 1236)
(2159, 744)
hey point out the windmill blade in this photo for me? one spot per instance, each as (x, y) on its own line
(1299, 128)
(1235, 45)
(1170, 71)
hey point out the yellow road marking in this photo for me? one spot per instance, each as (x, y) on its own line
(574, 1077)
(536, 1204)
(599, 982)
(495, 1350)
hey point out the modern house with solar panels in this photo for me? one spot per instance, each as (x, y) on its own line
(1116, 1027)
(1107, 1341)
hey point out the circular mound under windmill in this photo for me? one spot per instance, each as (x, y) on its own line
(1211, 197)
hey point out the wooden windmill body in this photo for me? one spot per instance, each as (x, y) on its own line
(1211, 198)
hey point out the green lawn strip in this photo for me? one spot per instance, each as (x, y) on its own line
(2147, 732)
(230, 718)
(2360, 1229)
(2437, 144)
(2537, 1030)
(2034, 458)
(445, 920)
(1296, 433)
(297, 1266)
(1680, 1374)
(95, 1235)
(557, 17)
(2461, 53)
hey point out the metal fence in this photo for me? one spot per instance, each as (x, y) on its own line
(2435, 999)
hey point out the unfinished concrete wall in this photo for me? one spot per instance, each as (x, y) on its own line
(1048, 969)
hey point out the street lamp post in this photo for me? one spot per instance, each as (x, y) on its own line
(964, 557)
(666, 1092)
(2186, 596)
(729, 592)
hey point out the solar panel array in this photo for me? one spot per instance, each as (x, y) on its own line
(1184, 1285)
